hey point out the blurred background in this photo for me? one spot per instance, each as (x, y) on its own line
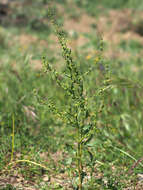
(26, 35)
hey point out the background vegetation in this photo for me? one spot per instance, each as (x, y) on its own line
(26, 35)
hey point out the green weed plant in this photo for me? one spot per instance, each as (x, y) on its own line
(86, 109)
(77, 112)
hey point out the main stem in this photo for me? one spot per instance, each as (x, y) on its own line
(79, 160)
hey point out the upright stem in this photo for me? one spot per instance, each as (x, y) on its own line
(79, 160)
(79, 167)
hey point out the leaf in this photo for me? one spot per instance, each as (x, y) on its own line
(90, 155)
(86, 140)
(86, 129)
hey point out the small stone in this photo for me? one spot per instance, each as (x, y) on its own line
(46, 178)
(140, 177)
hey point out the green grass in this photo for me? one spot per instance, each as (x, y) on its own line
(96, 8)
(41, 136)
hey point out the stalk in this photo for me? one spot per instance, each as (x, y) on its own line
(79, 160)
